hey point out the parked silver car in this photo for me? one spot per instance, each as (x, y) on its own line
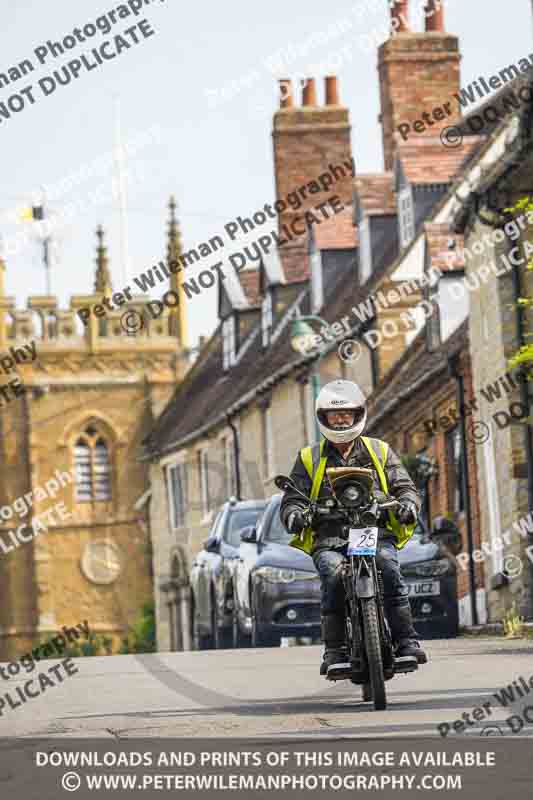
(212, 571)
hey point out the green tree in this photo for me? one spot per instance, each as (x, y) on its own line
(141, 637)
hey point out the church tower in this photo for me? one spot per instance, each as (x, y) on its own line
(75, 403)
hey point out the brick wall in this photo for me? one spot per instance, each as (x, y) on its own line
(417, 73)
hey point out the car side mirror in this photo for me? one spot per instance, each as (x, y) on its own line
(249, 534)
(446, 532)
(211, 545)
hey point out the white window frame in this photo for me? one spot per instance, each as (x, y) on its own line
(228, 342)
(266, 318)
(365, 250)
(406, 216)
(268, 444)
(177, 506)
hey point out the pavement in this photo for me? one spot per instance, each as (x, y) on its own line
(273, 692)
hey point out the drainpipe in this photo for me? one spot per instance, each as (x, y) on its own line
(236, 456)
(454, 371)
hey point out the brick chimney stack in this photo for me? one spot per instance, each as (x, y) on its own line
(434, 15)
(308, 140)
(400, 16)
(417, 73)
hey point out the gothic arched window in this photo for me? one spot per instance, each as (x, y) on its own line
(93, 467)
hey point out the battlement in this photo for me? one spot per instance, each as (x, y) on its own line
(134, 326)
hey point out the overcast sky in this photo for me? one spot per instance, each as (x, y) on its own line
(215, 155)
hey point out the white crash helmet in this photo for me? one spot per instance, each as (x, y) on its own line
(335, 396)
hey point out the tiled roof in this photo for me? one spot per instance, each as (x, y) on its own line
(426, 160)
(375, 193)
(410, 372)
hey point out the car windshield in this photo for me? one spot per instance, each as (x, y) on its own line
(276, 532)
(238, 520)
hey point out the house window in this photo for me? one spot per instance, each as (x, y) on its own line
(177, 477)
(266, 318)
(365, 250)
(268, 443)
(93, 468)
(317, 288)
(406, 216)
(228, 342)
(203, 481)
(456, 467)
(229, 467)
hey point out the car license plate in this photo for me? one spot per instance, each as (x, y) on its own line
(423, 588)
(362, 541)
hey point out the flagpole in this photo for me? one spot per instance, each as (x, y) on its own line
(122, 197)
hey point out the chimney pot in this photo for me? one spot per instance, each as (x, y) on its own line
(309, 93)
(286, 96)
(332, 90)
(434, 16)
(400, 17)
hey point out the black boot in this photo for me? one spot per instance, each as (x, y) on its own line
(336, 652)
(403, 632)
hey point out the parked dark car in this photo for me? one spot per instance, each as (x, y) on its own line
(431, 575)
(277, 588)
(212, 571)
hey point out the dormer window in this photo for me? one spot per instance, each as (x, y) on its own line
(266, 318)
(228, 342)
(406, 216)
(365, 250)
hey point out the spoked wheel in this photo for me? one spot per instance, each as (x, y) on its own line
(373, 651)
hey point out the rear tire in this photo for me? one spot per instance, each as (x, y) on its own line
(373, 652)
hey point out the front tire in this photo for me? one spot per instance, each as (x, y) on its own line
(373, 652)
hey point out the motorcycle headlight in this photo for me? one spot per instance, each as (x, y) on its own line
(428, 569)
(278, 575)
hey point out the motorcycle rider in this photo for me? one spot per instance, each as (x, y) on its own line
(341, 413)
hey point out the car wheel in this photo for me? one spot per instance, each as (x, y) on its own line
(260, 639)
(239, 639)
(215, 630)
(199, 642)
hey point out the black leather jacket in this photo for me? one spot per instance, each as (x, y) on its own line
(328, 532)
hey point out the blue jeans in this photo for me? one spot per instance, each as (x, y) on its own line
(328, 563)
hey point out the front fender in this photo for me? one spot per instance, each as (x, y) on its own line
(364, 586)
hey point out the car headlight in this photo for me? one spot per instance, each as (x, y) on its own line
(278, 575)
(428, 569)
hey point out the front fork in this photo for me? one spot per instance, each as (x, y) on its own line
(362, 581)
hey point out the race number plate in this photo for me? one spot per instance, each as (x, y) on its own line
(362, 541)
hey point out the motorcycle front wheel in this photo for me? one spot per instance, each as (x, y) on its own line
(373, 653)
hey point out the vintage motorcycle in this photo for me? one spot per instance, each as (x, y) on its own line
(367, 632)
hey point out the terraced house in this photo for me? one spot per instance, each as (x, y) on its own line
(400, 244)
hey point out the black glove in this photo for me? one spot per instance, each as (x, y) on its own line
(406, 512)
(296, 521)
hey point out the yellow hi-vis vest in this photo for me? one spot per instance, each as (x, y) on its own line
(315, 464)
